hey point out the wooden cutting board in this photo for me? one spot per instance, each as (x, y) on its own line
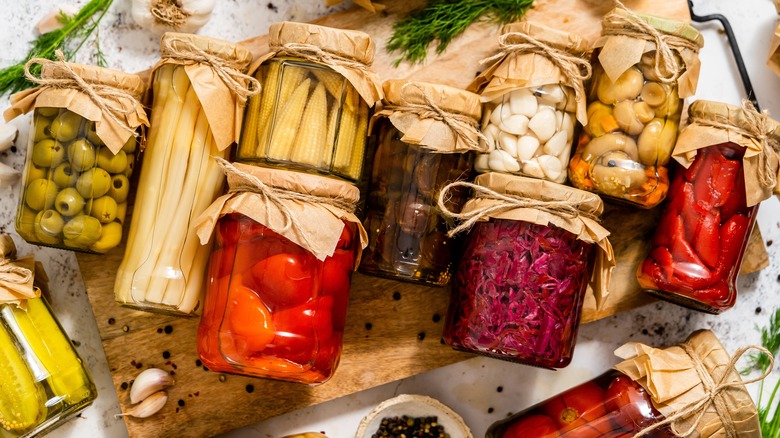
(393, 329)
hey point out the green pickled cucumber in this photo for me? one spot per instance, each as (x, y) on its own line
(21, 403)
(67, 377)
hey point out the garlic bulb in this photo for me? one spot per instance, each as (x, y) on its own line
(161, 16)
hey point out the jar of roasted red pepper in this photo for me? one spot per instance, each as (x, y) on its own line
(279, 274)
(697, 249)
(418, 153)
(520, 285)
(642, 397)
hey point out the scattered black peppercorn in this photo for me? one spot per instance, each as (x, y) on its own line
(396, 295)
(408, 427)
(111, 321)
(124, 385)
(166, 355)
(250, 388)
(369, 326)
(181, 403)
(198, 362)
(490, 410)
(758, 310)
(436, 317)
(420, 336)
(500, 389)
(168, 330)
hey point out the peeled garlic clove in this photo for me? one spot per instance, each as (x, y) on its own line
(627, 87)
(570, 105)
(7, 136)
(150, 406)
(526, 147)
(543, 124)
(568, 125)
(481, 163)
(8, 175)
(551, 166)
(516, 124)
(655, 94)
(496, 161)
(557, 143)
(523, 102)
(510, 163)
(508, 143)
(627, 119)
(500, 112)
(149, 382)
(532, 168)
(486, 112)
(551, 94)
(490, 137)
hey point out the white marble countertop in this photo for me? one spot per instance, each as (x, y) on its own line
(482, 390)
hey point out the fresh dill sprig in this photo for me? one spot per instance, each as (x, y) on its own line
(76, 30)
(770, 339)
(443, 20)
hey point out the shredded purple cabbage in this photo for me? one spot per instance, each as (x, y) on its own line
(518, 292)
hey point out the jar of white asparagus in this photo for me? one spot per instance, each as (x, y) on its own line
(533, 95)
(312, 114)
(199, 90)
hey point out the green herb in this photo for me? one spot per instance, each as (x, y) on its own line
(443, 20)
(75, 32)
(770, 339)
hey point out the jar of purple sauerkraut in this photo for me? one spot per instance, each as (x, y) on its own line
(518, 291)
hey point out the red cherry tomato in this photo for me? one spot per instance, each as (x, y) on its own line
(631, 402)
(534, 426)
(287, 280)
(576, 406)
(249, 321)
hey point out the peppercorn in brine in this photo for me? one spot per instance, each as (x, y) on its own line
(409, 427)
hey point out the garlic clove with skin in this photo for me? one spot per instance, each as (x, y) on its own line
(160, 16)
(8, 175)
(148, 407)
(7, 136)
(149, 382)
(54, 19)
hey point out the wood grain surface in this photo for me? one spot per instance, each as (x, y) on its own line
(393, 329)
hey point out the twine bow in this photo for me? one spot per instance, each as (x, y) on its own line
(316, 54)
(564, 209)
(242, 85)
(631, 25)
(103, 96)
(712, 395)
(464, 127)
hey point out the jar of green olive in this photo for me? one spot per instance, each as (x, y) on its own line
(80, 155)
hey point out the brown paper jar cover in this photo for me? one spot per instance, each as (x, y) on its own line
(17, 279)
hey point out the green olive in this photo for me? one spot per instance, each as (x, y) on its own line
(103, 209)
(128, 172)
(69, 202)
(92, 134)
(25, 223)
(48, 111)
(81, 154)
(110, 162)
(121, 212)
(66, 126)
(120, 188)
(110, 238)
(48, 153)
(93, 183)
(43, 237)
(50, 222)
(35, 172)
(42, 128)
(64, 175)
(40, 194)
(82, 230)
(130, 145)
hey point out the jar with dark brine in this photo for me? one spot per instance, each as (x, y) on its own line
(521, 281)
(697, 249)
(313, 111)
(634, 107)
(417, 155)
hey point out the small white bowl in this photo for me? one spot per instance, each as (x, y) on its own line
(414, 405)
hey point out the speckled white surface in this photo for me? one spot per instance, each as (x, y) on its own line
(481, 390)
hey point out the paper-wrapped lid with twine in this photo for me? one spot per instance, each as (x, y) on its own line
(502, 196)
(711, 123)
(696, 386)
(626, 36)
(217, 70)
(309, 210)
(532, 55)
(436, 117)
(348, 52)
(16, 275)
(107, 97)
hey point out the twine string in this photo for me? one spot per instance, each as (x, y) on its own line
(316, 54)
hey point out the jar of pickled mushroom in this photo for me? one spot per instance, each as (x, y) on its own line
(279, 274)
(44, 382)
(729, 165)
(519, 288)
(313, 112)
(80, 155)
(533, 95)
(198, 94)
(426, 136)
(643, 66)
(658, 393)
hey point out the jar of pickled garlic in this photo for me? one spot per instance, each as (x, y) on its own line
(418, 154)
(643, 66)
(519, 288)
(194, 118)
(313, 112)
(80, 155)
(279, 274)
(533, 95)
(697, 248)
(640, 399)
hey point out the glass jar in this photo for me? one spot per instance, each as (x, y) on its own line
(164, 265)
(634, 114)
(310, 116)
(44, 382)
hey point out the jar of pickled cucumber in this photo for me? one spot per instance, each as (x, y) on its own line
(533, 96)
(312, 114)
(639, 80)
(416, 156)
(80, 156)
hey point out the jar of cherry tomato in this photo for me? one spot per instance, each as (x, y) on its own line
(279, 274)
(643, 66)
(697, 249)
(638, 398)
(417, 155)
(519, 287)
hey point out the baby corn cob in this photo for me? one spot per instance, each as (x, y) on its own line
(333, 123)
(249, 133)
(286, 125)
(270, 87)
(310, 141)
(359, 151)
(346, 136)
(292, 76)
(333, 81)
